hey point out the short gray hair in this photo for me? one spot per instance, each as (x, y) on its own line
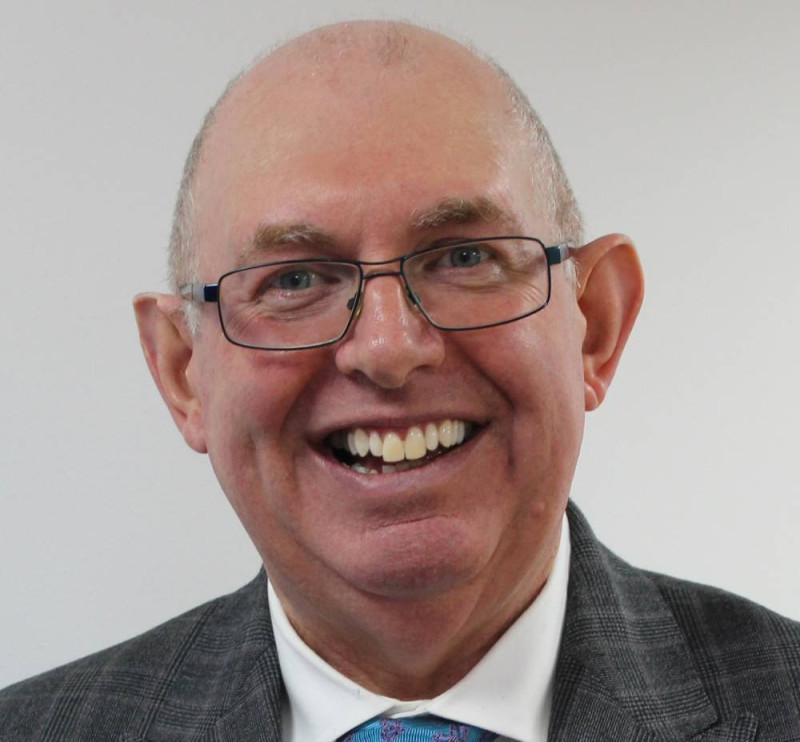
(183, 258)
(560, 200)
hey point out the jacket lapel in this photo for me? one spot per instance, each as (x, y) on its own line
(257, 718)
(254, 689)
(624, 671)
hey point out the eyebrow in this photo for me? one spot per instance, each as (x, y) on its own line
(463, 211)
(447, 212)
(273, 235)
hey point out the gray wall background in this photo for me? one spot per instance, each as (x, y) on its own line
(678, 125)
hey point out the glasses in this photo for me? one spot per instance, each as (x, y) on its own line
(308, 303)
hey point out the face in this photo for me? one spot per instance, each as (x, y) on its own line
(357, 156)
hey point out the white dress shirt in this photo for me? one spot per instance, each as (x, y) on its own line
(508, 692)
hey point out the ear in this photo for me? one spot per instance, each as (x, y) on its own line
(610, 290)
(168, 346)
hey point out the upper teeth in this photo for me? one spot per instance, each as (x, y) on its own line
(418, 440)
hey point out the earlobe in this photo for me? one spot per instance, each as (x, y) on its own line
(610, 291)
(168, 347)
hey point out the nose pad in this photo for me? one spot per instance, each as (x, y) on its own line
(352, 300)
(411, 297)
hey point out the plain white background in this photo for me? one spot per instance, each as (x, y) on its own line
(677, 123)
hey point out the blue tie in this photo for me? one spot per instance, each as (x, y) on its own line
(417, 729)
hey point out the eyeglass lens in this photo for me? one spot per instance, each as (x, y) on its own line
(306, 303)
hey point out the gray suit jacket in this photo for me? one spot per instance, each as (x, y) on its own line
(644, 657)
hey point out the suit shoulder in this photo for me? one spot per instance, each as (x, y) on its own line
(745, 654)
(728, 617)
(655, 641)
(120, 689)
(718, 618)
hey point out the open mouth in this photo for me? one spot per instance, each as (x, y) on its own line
(374, 452)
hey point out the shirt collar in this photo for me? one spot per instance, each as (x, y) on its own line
(501, 693)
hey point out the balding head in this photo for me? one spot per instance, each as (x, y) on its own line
(355, 59)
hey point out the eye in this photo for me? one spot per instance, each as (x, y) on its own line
(466, 256)
(292, 285)
(468, 261)
(294, 280)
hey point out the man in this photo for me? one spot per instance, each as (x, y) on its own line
(385, 331)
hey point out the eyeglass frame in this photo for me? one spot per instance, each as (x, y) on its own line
(209, 293)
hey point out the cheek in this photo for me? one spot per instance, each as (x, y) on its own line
(536, 365)
(246, 388)
(251, 402)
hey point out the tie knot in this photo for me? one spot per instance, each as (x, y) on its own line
(417, 729)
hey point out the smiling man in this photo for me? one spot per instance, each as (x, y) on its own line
(385, 332)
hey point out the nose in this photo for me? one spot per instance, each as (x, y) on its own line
(389, 338)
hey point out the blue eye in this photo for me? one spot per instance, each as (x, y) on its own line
(294, 280)
(467, 256)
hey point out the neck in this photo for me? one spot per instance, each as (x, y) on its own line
(415, 648)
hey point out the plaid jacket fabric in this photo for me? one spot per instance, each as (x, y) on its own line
(644, 657)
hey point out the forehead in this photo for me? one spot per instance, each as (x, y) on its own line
(356, 146)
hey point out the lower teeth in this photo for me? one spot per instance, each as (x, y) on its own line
(389, 468)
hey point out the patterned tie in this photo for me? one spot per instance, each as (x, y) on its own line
(417, 729)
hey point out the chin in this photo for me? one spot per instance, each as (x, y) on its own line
(417, 559)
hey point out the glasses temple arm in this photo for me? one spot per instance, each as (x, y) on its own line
(200, 292)
(559, 253)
